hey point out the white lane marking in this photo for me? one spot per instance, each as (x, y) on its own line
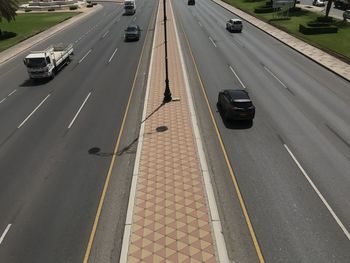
(37, 107)
(105, 34)
(200, 24)
(81, 107)
(7, 96)
(84, 56)
(273, 75)
(231, 68)
(110, 59)
(346, 232)
(134, 19)
(5, 232)
(212, 41)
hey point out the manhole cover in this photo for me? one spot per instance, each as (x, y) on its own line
(161, 128)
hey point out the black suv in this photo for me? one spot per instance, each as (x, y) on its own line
(191, 2)
(132, 32)
(235, 105)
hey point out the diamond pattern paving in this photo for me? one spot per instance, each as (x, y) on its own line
(171, 218)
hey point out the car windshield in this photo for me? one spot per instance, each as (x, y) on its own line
(131, 29)
(36, 62)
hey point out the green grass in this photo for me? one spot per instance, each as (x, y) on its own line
(334, 43)
(27, 25)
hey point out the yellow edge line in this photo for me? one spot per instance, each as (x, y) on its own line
(105, 187)
(234, 180)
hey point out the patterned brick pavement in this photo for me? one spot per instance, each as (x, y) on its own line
(170, 221)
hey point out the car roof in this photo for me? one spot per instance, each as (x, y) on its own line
(235, 19)
(237, 94)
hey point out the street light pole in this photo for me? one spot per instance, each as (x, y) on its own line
(167, 93)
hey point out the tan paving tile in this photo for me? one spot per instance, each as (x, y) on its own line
(170, 221)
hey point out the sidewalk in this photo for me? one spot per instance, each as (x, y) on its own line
(171, 217)
(324, 59)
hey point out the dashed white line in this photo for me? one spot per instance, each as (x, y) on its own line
(37, 107)
(273, 75)
(84, 56)
(134, 19)
(346, 232)
(212, 41)
(231, 68)
(105, 34)
(5, 232)
(7, 96)
(110, 59)
(81, 107)
(200, 24)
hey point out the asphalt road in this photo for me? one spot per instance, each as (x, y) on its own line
(50, 185)
(293, 164)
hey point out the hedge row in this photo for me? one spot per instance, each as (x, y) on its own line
(317, 30)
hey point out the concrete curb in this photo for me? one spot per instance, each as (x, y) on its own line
(317, 55)
(14, 51)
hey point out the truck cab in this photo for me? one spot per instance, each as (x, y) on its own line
(39, 65)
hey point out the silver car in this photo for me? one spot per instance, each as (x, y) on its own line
(234, 25)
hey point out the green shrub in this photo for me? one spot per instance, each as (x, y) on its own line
(73, 7)
(318, 24)
(317, 30)
(263, 10)
(28, 10)
(324, 19)
(6, 35)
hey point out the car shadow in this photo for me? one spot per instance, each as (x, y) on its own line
(33, 83)
(236, 124)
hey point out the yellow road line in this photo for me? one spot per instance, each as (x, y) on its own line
(105, 187)
(234, 180)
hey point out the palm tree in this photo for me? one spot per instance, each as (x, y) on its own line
(8, 9)
(328, 7)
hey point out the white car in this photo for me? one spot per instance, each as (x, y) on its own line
(234, 25)
(319, 2)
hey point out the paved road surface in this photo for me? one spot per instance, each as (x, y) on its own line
(50, 185)
(301, 108)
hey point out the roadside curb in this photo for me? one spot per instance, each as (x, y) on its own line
(317, 55)
(17, 49)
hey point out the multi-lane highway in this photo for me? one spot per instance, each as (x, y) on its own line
(50, 185)
(292, 165)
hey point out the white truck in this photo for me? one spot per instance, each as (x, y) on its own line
(45, 64)
(129, 7)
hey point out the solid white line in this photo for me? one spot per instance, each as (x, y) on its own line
(37, 107)
(213, 210)
(81, 107)
(7, 96)
(231, 68)
(346, 232)
(5, 232)
(110, 59)
(84, 56)
(212, 41)
(105, 34)
(275, 77)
